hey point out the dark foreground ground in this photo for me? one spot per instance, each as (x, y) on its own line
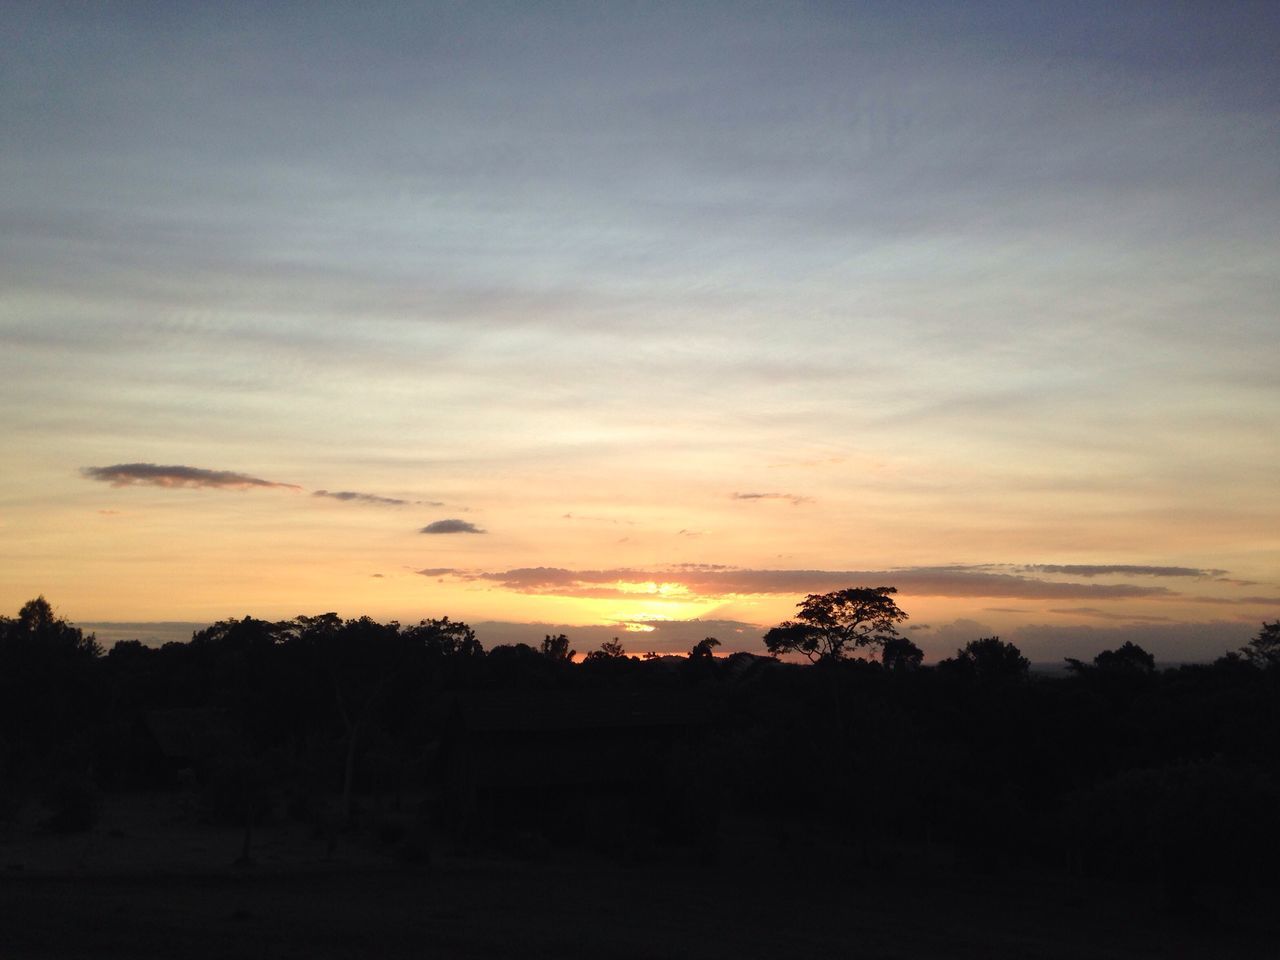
(593, 909)
(763, 898)
(499, 910)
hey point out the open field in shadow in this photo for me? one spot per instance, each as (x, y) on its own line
(171, 891)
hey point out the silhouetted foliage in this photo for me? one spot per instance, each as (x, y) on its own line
(74, 803)
(901, 655)
(832, 626)
(557, 647)
(1264, 649)
(988, 659)
(38, 629)
(1184, 824)
(1134, 772)
(48, 695)
(702, 650)
(445, 639)
(609, 650)
(1129, 658)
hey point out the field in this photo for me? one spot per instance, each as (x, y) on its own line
(151, 881)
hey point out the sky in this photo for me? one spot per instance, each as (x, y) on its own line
(644, 318)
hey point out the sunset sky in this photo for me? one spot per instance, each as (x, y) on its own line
(618, 316)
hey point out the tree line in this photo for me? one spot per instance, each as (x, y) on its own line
(1114, 768)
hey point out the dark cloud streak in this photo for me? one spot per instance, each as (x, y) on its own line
(1118, 569)
(451, 525)
(179, 476)
(352, 496)
(946, 582)
(794, 499)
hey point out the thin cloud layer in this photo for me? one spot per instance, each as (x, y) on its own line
(451, 525)
(935, 582)
(1238, 601)
(353, 496)
(1168, 642)
(1119, 569)
(177, 475)
(1109, 615)
(794, 499)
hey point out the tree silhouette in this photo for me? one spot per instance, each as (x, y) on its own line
(609, 650)
(1128, 658)
(445, 639)
(988, 659)
(1264, 649)
(37, 625)
(702, 649)
(48, 693)
(557, 647)
(832, 626)
(361, 660)
(901, 655)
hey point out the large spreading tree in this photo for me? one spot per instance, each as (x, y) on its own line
(835, 626)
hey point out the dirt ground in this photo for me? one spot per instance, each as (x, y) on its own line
(151, 881)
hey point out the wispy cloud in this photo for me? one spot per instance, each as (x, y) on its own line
(435, 571)
(794, 499)
(177, 475)
(716, 582)
(451, 525)
(1238, 601)
(1109, 615)
(1118, 569)
(352, 496)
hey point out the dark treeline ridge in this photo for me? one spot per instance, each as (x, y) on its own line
(1114, 768)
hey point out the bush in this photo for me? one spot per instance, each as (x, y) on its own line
(1183, 824)
(75, 804)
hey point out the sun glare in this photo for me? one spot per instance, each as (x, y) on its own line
(630, 626)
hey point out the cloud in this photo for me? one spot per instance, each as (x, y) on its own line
(451, 525)
(1168, 642)
(351, 496)
(1238, 601)
(1109, 615)
(1118, 569)
(435, 571)
(718, 582)
(949, 637)
(157, 475)
(794, 499)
